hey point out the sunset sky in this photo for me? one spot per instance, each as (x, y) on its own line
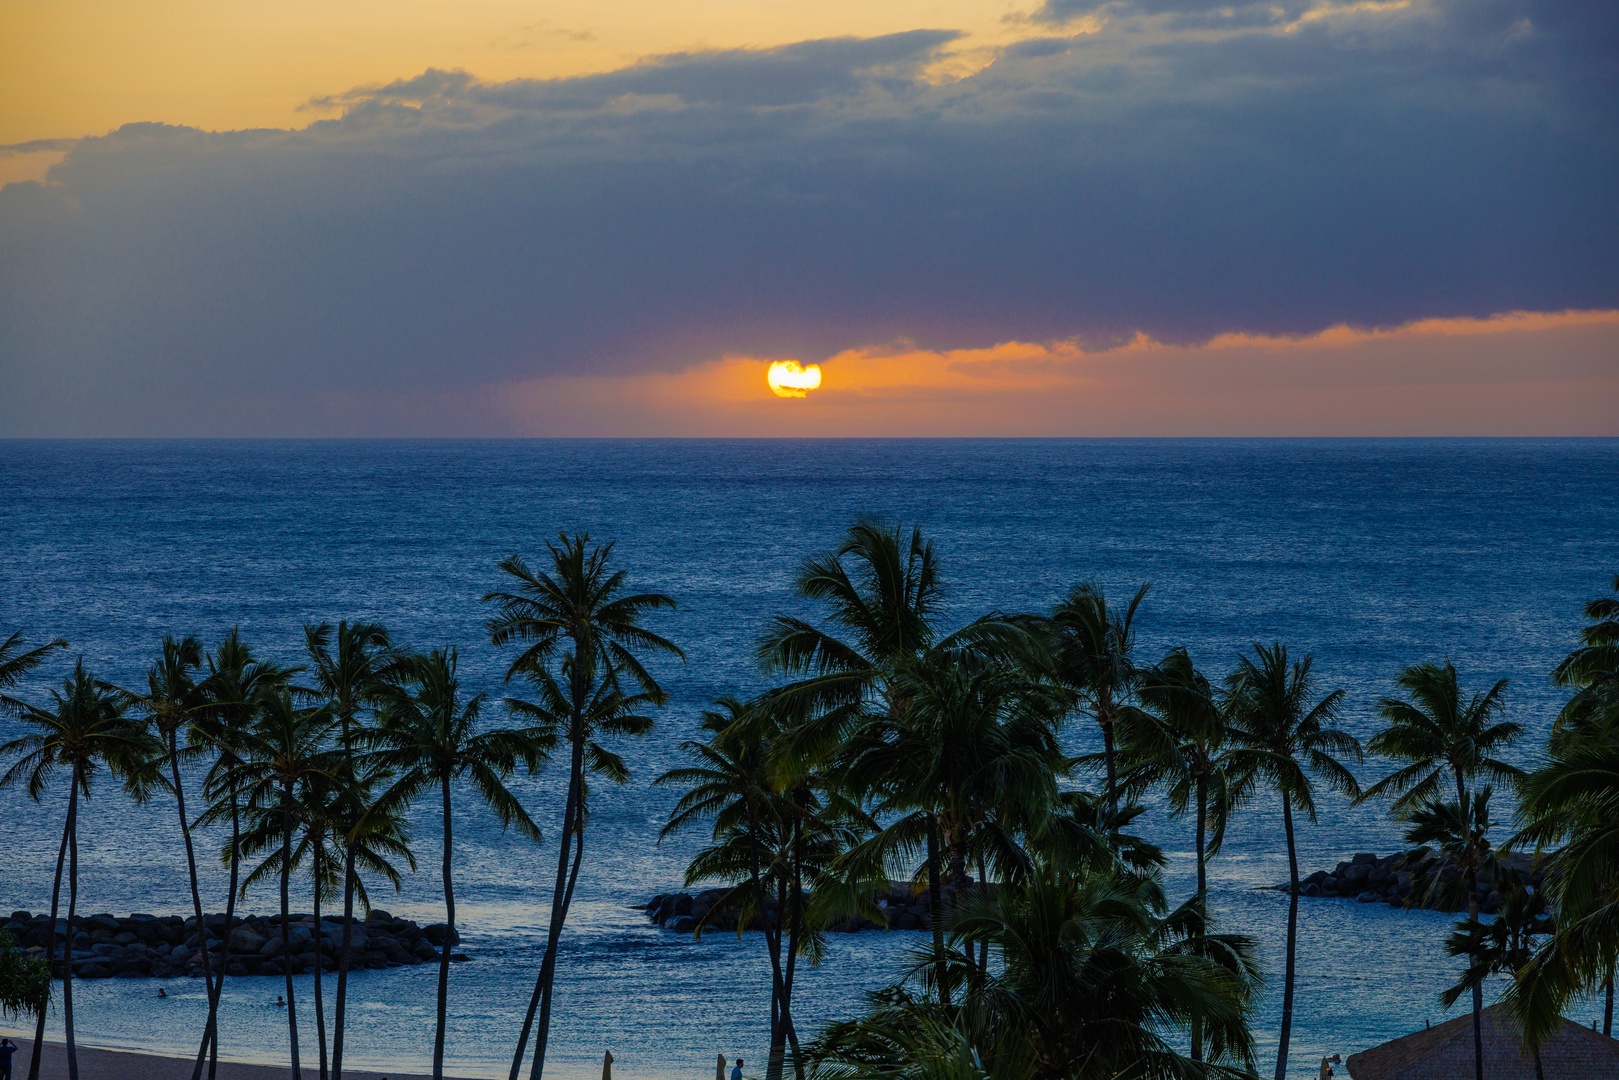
(1143, 217)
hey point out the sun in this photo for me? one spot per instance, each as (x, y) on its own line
(789, 378)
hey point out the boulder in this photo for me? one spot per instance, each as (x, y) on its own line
(243, 940)
(439, 933)
(680, 924)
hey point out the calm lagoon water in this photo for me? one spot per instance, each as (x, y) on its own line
(1371, 554)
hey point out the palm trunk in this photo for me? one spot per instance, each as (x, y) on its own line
(795, 929)
(196, 895)
(541, 993)
(1202, 892)
(210, 1032)
(936, 911)
(286, 927)
(1607, 1005)
(1292, 939)
(339, 1021)
(1104, 717)
(50, 956)
(449, 937)
(773, 1064)
(320, 971)
(776, 937)
(230, 920)
(72, 909)
(1471, 879)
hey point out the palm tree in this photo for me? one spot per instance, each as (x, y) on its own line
(1444, 736)
(347, 665)
(1460, 830)
(17, 661)
(430, 737)
(1592, 671)
(237, 683)
(1282, 736)
(1179, 740)
(25, 981)
(1505, 945)
(578, 617)
(552, 715)
(172, 703)
(1094, 650)
(881, 590)
(284, 750)
(770, 837)
(1569, 807)
(1092, 975)
(973, 761)
(84, 730)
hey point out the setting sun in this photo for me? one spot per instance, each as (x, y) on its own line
(789, 378)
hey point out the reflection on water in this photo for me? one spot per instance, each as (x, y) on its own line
(1373, 555)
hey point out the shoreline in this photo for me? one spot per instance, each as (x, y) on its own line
(97, 1062)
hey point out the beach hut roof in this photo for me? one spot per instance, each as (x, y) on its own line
(1446, 1052)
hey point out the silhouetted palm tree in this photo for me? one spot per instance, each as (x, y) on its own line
(1570, 810)
(84, 730)
(1092, 976)
(881, 590)
(25, 981)
(285, 749)
(1281, 737)
(16, 660)
(1179, 740)
(347, 667)
(1445, 737)
(578, 618)
(172, 703)
(430, 738)
(1093, 647)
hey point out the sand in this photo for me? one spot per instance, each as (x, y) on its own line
(124, 1065)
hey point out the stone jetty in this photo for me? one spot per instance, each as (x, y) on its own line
(159, 947)
(680, 912)
(1406, 879)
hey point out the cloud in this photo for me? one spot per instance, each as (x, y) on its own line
(445, 237)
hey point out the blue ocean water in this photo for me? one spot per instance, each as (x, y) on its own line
(1370, 554)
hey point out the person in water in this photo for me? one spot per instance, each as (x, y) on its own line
(279, 1003)
(7, 1048)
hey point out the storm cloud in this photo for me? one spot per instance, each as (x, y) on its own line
(1171, 169)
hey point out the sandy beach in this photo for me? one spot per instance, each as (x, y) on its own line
(97, 1064)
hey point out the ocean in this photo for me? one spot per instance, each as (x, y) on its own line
(1369, 554)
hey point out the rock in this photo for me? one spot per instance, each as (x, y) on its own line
(680, 924)
(439, 933)
(459, 958)
(1310, 890)
(90, 970)
(243, 940)
(1367, 898)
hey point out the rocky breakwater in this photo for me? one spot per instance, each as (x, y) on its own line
(149, 945)
(901, 907)
(1420, 878)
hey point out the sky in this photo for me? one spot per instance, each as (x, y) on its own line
(1048, 217)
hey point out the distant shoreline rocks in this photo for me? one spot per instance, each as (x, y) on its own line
(150, 946)
(1409, 879)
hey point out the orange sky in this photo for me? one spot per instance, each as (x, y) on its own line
(1519, 374)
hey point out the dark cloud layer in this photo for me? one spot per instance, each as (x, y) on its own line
(1369, 167)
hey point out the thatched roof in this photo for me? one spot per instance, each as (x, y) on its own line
(1446, 1052)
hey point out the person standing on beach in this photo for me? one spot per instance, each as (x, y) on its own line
(736, 1072)
(7, 1048)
